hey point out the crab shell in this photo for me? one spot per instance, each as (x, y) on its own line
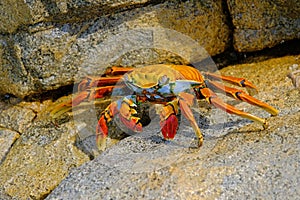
(163, 79)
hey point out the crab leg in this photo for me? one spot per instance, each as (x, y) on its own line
(241, 95)
(230, 79)
(125, 108)
(88, 95)
(186, 101)
(169, 121)
(90, 82)
(113, 71)
(213, 99)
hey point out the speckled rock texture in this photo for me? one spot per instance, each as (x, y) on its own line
(55, 51)
(239, 158)
(39, 160)
(261, 24)
(44, 158)
(18, 14)
(46, 46)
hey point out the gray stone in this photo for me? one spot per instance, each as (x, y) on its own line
(264, 24)
(17, 13)
(17, 118)
(39, 160)
(7, 138)
(50, 55)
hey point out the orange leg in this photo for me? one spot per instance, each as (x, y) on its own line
(230, 79)
(91, 82)
(213, 99)
(185, 103)
(241, 95)
(113, 71)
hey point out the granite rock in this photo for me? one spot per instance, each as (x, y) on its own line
(51, 54)
(263, 24)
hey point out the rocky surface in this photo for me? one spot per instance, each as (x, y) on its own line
(47, 46)
(18, 14)
(44, 46)
(260, 24)
(238, 158)
(53, 54)
(36, 154)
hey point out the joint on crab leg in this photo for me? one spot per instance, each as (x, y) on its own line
(125, 109)
(213, 99)
(233, 80)
(241, 95)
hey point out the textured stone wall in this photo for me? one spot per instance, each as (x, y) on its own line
(262, 24)
(44, 45)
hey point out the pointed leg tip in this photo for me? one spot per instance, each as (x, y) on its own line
(200, 143)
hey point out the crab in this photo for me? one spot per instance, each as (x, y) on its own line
(175, 87)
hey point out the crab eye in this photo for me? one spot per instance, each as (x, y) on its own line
(163, 80)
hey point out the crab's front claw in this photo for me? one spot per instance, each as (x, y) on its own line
(124, 109)
(102, 128)
(168, 120)
(127, 110)
(169, 127)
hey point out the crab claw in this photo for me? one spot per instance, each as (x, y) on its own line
(127, 111)
(132, 123)
(169, 127)
(168, 120)
(124, 109)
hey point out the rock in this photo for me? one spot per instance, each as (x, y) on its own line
(239, 158)
(17, 118)
(13, 14)
(7, 138)
(51, 54)
(17, 13)
(263, 24)
(39, 160)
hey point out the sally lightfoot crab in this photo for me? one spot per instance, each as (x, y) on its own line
(175, 87)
